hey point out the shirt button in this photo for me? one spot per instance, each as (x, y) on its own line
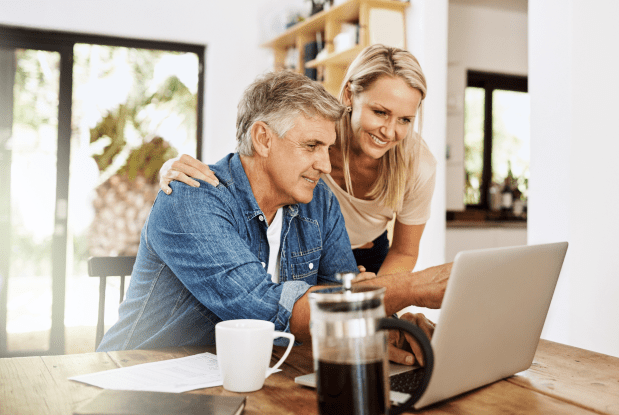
(261, 218)
(263, 264)
(311, 265)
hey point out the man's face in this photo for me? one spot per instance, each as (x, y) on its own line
(297, 160)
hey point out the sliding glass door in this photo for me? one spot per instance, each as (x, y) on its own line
(85, 124)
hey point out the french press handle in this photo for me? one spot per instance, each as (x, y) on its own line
(428, 357)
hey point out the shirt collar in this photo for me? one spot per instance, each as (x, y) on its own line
(245, 195)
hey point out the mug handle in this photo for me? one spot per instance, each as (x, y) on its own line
(290, 337)
(428, 357)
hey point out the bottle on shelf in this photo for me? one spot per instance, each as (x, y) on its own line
(507, 197)
(495, 197)
(517, 204)
(507, 193)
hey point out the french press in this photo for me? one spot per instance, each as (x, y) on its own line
(349, 344)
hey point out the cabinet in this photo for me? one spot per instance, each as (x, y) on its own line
(378, 21)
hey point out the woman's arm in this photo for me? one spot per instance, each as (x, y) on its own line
(404, 249)
(183, 168)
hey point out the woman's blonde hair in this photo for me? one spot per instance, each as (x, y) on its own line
(394, 169)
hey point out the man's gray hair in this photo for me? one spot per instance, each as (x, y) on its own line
(277, 99)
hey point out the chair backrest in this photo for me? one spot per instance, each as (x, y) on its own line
(103, 267)
(110, 266)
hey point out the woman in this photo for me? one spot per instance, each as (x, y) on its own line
(381, 167)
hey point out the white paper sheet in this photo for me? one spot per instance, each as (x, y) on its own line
(174, 375)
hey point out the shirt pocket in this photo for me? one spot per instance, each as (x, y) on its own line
(305, 268)
(304, 238)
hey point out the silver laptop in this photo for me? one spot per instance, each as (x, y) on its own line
(491, 318)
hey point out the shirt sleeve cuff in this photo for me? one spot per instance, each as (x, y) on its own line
(291, 292)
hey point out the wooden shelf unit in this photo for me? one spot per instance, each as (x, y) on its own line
(329, 23)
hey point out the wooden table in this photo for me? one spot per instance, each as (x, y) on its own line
(562, 380)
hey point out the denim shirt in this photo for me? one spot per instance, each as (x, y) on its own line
(203, 257)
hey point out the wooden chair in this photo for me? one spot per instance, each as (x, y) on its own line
(103, 267)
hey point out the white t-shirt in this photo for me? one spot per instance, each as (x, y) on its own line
(366, 220)
(274, 234)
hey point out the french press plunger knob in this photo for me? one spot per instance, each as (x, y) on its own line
(346, 279)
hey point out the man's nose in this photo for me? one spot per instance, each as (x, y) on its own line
(323, 162)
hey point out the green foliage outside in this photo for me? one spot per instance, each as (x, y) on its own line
(36, 88)
(172, 96)
(147, 160)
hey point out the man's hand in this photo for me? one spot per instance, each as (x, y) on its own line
(183, 168)
(403, 348)
(430, 285)
(363, 275)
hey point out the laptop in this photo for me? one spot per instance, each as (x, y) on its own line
(491, 319)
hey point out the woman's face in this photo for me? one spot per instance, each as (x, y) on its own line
(382, 115)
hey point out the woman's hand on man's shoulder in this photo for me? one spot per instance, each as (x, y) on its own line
(185, 168)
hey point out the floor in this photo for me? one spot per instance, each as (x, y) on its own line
(28, 321)
(80, 339)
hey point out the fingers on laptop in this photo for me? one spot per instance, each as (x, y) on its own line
(400, 350)
(400, 356)
(421, 321)
(410, 343)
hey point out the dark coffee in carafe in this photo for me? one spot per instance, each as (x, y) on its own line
(349, 389)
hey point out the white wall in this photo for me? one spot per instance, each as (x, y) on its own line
(426, 27)
(485, 39)
(574, 194)
(231, 29)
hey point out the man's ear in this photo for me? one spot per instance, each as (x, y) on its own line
(261, 137)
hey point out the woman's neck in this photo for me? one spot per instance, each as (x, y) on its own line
(363, 171)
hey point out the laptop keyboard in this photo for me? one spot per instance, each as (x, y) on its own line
(406, 382)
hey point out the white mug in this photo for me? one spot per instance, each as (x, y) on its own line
(244, 349)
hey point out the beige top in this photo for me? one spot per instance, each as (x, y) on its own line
(366, 220)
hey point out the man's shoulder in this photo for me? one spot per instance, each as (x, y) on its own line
(223, 169)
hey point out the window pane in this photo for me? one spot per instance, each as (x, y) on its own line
(31, 154)
(473, 142)
(510, 138)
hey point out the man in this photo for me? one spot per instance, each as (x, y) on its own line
(253, 246)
